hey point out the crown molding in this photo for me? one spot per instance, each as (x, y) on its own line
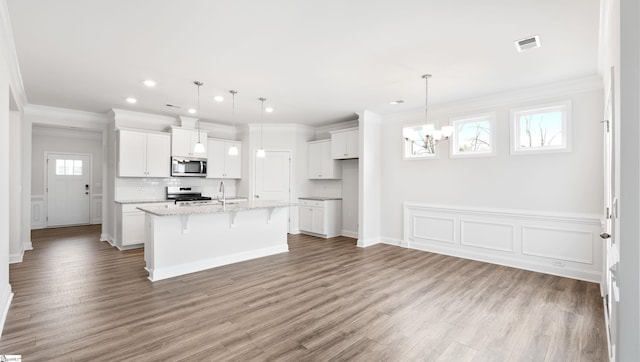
(8, 50)
(521, 96)
(66, 132)
(63, 117)
(125, 115)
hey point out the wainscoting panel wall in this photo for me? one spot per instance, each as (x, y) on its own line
(37, 212)
(561, 244)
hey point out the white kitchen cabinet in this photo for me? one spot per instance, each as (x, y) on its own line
(321, 164)
(320, 217)
(184, 140)
(130, 225)
(219, 163)
(142, 154)
(345, 143)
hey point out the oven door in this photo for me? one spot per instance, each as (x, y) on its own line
(181, 167)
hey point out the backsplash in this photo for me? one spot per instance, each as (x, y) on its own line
(154, 188)
(326, 188)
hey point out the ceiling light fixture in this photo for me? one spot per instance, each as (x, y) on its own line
(131, 100)
(399, 101)
(218, 98)
(268, 110)
(150, 83)
(261, 153)
(199, 147)
(432, 135)
(192, 110)
(233, 150)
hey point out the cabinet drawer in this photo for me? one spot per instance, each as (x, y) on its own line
(315, 203)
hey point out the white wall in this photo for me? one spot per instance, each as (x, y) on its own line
(15, 201)
(561, 182)
(47, 139)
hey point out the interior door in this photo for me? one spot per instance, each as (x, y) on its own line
(68, 189)
(611, 255)
(273, 176)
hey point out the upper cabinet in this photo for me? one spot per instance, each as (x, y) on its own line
(184, 140)
(220, 163)
(142, 154)
(345, 144)
(321, 164)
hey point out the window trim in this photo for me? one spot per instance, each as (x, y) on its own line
(566, 108)
(433, 156)
(489, 116)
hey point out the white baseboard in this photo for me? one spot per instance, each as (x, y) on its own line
(349, 233)
(16, 257)
(369, 242)
(27, 245)
(129, 247)
(392, 241)
(5, 302)
(566, 245)
(170, 272)
(107, 238)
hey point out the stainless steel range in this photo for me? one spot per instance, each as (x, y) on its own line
(187, 196)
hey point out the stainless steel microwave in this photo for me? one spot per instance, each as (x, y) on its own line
(188, 167)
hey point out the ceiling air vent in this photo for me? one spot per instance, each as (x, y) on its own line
(528, 43)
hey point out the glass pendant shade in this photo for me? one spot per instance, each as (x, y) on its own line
(233, 150)
(260, 153)
(198, 148)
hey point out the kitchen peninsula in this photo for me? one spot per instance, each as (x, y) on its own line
(186, 239)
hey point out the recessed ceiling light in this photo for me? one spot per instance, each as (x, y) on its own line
(218, 98)
(150, 83)
(192, 111)
(528, 43)
(268, 109)
(399, 101)
(131, 100)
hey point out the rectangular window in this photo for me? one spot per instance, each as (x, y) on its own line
(69, 167)
(473, 136)
(416, 145)
(544, 128)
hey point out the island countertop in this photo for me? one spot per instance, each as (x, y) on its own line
(169, 210)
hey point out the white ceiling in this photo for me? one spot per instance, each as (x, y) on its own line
(317, 62)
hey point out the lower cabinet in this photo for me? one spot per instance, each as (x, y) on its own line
(130, 225)
(320, 217)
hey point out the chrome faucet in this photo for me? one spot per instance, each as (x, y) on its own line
(224, 199)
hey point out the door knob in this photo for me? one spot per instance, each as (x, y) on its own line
(257, 196)
(605, 235)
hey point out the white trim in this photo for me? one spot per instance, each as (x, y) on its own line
(192, 267)
(491, 118)
(107, 238)
(38, 212)
(369, 242)
(63, 117)
(349, 233)
(8, 49)
(17, 257)
(579, 257)
(96, 209)
(567, 129)
(5, 302)
(40, 130)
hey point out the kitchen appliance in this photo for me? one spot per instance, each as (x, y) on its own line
(191, 167)
(188, 196)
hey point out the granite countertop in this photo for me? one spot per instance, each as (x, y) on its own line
(141, 201)
(169, 210)
(319, 198)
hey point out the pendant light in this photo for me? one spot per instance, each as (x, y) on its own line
(260, 153)
(233, 150)
(432, 135)
(199, 147)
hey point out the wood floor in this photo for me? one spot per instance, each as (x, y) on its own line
(79, 299)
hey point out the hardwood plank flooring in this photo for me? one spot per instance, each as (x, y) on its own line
(79, 299)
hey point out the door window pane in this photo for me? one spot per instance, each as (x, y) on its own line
(69, 167)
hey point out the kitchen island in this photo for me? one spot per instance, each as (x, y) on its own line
(186, 239)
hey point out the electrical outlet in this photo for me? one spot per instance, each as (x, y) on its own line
(557, 263)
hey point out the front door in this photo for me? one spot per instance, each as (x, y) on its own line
(68, 189)
(612, 224)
